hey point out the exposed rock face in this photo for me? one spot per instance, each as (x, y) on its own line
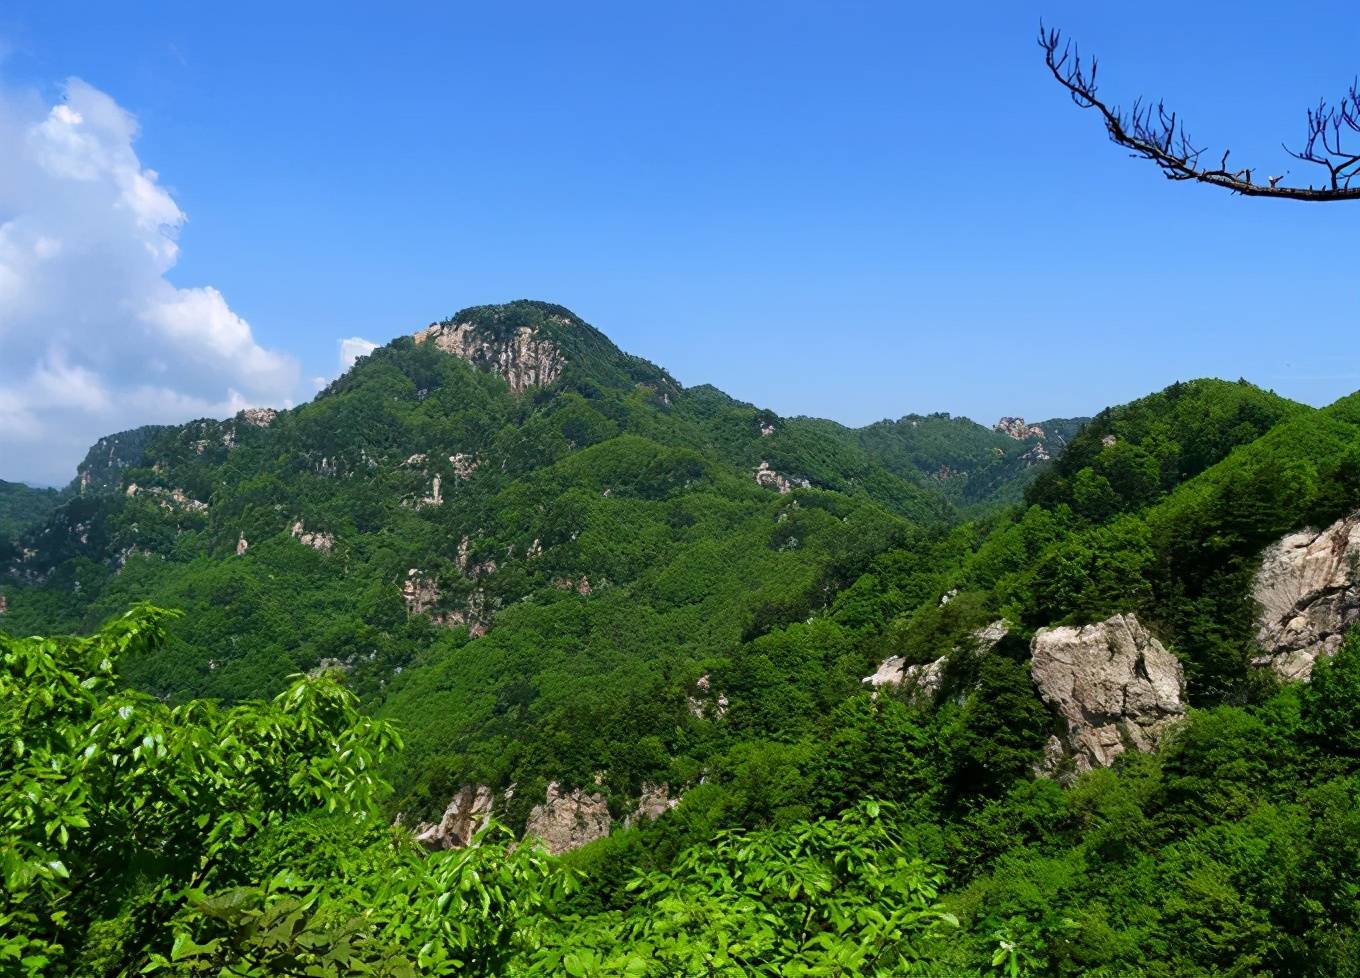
(170, 500)
(419, 592)
(700, 704)
(568, 821)
(242, 545)
(322, 542)
(927, 678)
(580, 585)
(523, 359)
(435, 498)
(4, 605)
(1114, 685)
(654, 802)
(1036, 454)
(463, 464)
(1017, 429)
(770, 479)
(467, 813)
(422, 596)
(258, 417)
(1308, 589)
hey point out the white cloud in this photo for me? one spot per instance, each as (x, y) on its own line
(352, 348)
(94, 338)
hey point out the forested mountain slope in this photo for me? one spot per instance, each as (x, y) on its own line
(510, 472)
(21, 507)
(629, 618)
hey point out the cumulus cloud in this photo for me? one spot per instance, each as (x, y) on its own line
(352, 348)
(93, 337)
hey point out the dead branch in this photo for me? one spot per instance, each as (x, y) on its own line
(1155, 133)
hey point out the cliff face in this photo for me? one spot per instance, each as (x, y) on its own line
(1112, 683)
(524, 357)
(568, 820)
(1308, 590)
(467, 813)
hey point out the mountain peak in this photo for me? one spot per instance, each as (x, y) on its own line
(534, 344)
(515, 340)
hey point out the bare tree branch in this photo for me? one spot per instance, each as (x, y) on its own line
(1157, 134)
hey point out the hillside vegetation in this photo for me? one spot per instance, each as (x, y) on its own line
(611, 587)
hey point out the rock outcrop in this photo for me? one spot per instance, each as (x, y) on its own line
(770, 479)
(315, 539)
(463, 464)
(568, 820)
(523, 358)
(170, 500)
(654, 802)
(467, 813)
(703, 702)
(419, 592)
(258, 417)
(422, 596)
(1017, 429)
(1308, 590)
(928, 677)
(1113, 684)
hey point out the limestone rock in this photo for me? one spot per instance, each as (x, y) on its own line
(568, 820)
(1308, 590)
(1036, 455)
(467, 813)
(242, 545)
(1114, 685)
(524, 359)
(422, 596)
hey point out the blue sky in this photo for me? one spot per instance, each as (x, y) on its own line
(851, 210)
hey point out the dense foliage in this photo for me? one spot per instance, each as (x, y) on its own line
(599, 592)
(22, 507)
